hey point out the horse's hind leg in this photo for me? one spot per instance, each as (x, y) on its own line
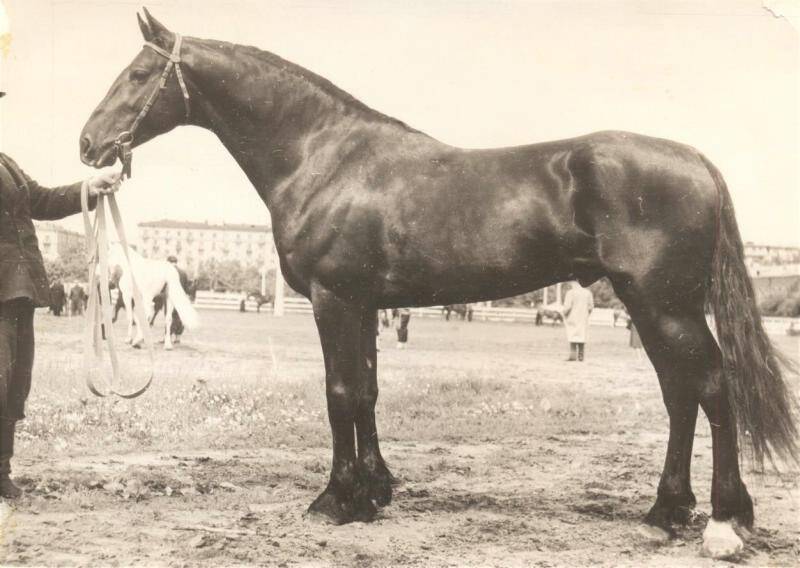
(167, 323)
(687, 360)
(730, 500)
(379, 479)
(674, 344)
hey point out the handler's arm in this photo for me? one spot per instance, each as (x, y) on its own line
(55, 203)
(59, 202)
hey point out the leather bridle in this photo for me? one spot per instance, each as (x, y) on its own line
(124, 141)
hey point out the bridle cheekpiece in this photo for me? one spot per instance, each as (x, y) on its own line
(124, 141)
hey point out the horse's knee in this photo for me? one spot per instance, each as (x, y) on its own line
(341, 397)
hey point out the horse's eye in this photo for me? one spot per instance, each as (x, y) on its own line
(139, 75)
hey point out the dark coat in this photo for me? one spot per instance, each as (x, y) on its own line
(22, 273)
(58, 296)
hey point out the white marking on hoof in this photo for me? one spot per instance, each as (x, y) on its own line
(167, 347)
(720, 541)
(653, 534)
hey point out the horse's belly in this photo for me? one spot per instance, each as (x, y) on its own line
(430, 282)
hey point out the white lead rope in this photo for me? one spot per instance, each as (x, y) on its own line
(99, 308)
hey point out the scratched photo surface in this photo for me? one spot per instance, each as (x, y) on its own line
(501, 452)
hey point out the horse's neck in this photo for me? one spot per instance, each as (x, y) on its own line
(265, 110)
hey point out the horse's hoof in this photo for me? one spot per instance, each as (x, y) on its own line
(720, 541)
(137, 345)
(167, 347)
(329, 508)
(379, 485)
(673, 510)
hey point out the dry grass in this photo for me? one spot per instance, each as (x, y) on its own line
(247, 379)
(223, 388)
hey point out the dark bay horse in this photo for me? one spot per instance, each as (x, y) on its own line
(369, 213)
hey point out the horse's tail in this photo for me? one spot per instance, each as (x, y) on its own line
(180, 300)
(762, 404)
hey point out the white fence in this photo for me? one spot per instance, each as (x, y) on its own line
(225, 301)
(599, 317)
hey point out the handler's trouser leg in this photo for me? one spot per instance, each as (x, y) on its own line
(580, 351)
(16, 363)
(573, 351)
(7, 487)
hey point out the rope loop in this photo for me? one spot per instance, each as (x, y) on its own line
(98, 313)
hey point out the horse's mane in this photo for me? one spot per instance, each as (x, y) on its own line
(321, 83)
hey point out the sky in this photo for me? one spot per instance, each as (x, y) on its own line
(720, 75)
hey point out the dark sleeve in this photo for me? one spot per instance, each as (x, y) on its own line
(53, 203)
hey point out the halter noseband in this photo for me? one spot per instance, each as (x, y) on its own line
(124, 140)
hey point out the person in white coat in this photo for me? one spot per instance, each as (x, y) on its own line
(578, 304)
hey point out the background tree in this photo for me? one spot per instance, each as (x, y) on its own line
(782, 303)
(70, 265)
(604, 296)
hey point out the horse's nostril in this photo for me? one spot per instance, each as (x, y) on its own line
(86, 145)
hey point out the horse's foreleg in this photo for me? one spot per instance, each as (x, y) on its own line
(339, 323)
(379, 479)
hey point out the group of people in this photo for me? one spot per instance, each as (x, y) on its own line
(73, 304)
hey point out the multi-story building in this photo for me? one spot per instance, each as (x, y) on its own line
(773, 269)
(55, 240)
(765, 255)
(193, 243)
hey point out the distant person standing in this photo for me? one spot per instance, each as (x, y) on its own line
(634, 341)
(58, 297)
(539, 315)
(578, 304)
(402, 327)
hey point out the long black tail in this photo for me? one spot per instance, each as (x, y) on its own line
(762, 404)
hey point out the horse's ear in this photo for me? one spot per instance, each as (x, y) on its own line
(147, 33)
(159, 34)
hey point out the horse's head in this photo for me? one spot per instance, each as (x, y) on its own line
(119, 112)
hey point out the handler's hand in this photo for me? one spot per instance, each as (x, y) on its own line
(108, 181)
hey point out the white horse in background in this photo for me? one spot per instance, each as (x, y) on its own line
(151, 277)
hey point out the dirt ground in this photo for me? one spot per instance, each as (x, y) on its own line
(505, 456)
